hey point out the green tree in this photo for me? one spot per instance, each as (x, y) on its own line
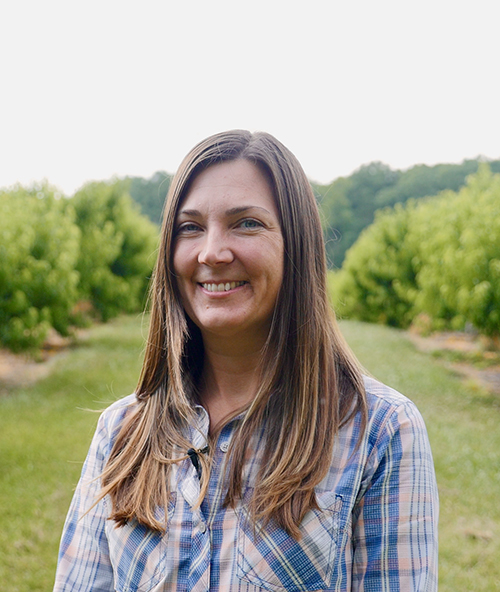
(39, 247)
(422, 181)
(459, 245)
(377, 282)
(150, 194)
(349, 205)
(117, 248)
(439, 256)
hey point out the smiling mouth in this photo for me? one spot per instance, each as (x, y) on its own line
(222, 287)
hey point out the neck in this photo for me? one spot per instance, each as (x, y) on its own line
(230, 377)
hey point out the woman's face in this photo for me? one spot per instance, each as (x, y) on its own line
(228, 252)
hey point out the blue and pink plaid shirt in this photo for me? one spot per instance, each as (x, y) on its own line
(376, 529)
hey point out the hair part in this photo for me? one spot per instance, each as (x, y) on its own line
(311, 382)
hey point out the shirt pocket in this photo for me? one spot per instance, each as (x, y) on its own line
(273, 560)
(138, 554)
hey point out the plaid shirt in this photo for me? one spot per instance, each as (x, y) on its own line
(376, 529)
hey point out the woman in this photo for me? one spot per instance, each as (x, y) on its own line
(253, 455)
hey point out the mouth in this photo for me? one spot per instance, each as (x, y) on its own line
(222, 286)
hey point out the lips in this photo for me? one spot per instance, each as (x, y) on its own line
(221, 286)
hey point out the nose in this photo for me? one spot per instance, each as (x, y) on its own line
(215, 249)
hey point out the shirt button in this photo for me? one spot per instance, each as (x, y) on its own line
(224, 446)
(203, 527)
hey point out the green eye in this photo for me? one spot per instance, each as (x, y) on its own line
(250, 223)
(188, 227)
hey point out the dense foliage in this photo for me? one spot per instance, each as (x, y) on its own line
(57, 252)
(61, 259)
(39, 243)
(437, 259)
(349, 203)
(116, 248)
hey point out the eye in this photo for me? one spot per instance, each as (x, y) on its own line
(188, 228)
(250, 223)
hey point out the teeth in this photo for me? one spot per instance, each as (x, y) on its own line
(222, 287)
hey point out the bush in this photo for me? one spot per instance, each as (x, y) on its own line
(116, 251)
(377, 281)
(39, 248)
(459, 244)
(60, 257)
(438, 258)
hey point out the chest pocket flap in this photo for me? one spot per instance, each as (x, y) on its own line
(273, 560)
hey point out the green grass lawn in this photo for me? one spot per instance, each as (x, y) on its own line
(44, 435)
(463, 422)
(45, 431)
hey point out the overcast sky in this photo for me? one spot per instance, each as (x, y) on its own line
(96, 88)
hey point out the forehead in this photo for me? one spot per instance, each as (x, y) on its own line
(232, 182)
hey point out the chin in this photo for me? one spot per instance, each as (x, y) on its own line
(234, 328)
(224, 327)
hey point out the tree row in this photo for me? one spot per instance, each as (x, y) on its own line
(433, 261)
(66, 261)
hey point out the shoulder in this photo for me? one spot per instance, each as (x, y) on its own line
(380, 395)
(394, 422)
(393, 426)
(120, 407)
(391, 448)
(115, 413)
(111, 420)
(391, 417)
(384, 402)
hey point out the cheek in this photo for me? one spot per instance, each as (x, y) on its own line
(175, 258)
(275, 265)
(278, 258)
(182, 262)
(277, 280)
(181, 269)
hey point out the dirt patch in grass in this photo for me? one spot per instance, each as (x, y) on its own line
(22, 370)
(19, 370)
(462, 352)
(471, 356)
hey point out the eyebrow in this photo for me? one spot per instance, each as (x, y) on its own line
(230, 212)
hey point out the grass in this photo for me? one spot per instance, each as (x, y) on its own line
(45, 432)
(463, 424)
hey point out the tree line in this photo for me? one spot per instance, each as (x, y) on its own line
(65, 261)
(405, 256)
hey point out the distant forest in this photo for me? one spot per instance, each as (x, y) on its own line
(348, 204)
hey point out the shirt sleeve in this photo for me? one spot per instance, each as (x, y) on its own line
(395, 519)
(84, 563)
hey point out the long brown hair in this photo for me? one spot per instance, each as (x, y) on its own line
(311, 383)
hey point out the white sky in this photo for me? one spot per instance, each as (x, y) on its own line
(93, 88)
